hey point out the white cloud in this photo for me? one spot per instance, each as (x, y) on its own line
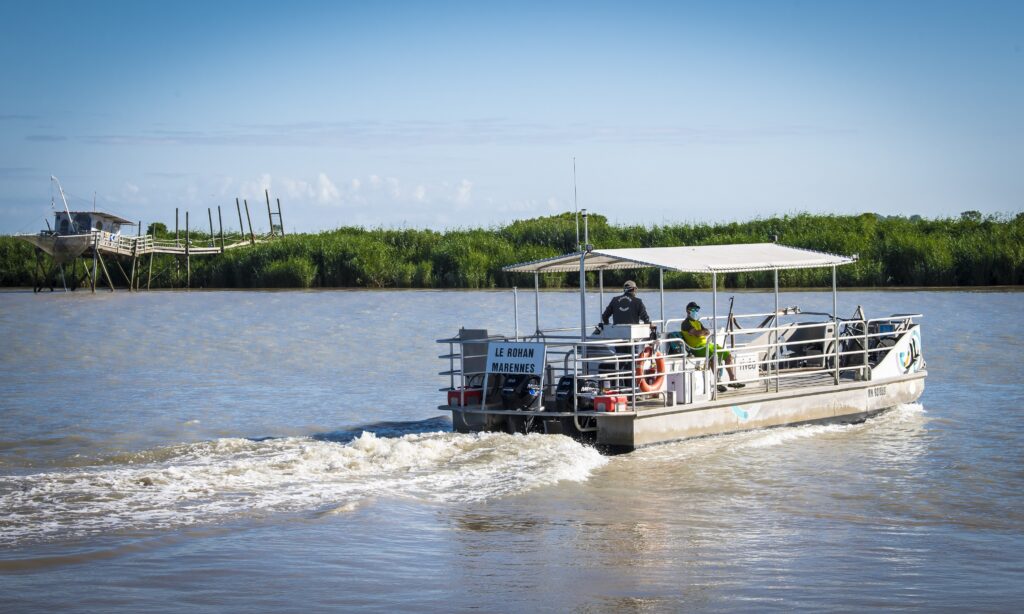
(129, 190)
(226, 186)
(327, 191)
(464, 192)
(420, 193)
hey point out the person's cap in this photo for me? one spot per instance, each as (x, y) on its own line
(629, 285)
(692, 305)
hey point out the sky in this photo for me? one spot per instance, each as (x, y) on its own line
(470, 114)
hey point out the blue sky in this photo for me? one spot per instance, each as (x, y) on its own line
(446, 114)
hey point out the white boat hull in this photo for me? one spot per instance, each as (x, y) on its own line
(849, 402)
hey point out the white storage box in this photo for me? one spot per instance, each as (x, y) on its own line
(625, 331)
(689, 386)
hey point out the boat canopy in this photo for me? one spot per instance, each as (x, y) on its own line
(735, 258)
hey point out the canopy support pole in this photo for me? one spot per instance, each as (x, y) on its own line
(835, 324)
(515, 309)
(713, 356)
(583, 296)
(661, 286)
(536, 300)
(775, 342)
(600, 285)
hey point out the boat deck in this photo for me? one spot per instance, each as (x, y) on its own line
(790, 381)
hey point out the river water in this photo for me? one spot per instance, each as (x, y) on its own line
(282, 451)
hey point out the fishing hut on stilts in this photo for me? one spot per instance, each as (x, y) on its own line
(93, 241)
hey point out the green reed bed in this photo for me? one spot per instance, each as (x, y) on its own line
(972, 250)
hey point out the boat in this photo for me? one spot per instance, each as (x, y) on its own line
(626, 386)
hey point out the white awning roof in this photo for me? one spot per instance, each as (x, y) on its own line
(697, 259)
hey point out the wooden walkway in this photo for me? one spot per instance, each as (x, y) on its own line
(117, 245)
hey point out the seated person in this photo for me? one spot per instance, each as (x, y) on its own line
(696, 338)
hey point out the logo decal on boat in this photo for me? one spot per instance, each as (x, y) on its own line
(908, 359)
(744, 414)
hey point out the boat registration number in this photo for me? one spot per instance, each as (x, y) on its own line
(877, 391)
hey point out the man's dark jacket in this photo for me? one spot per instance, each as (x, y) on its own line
(626, 309)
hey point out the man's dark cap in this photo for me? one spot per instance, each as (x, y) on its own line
(692, 305)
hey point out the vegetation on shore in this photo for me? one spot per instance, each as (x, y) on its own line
(972, 250)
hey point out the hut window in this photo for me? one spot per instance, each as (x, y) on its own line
(99, 225)
(64, 226)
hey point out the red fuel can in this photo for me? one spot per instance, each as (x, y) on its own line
(611, 403)
(473, 396)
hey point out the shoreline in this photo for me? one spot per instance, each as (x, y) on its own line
(526, 290)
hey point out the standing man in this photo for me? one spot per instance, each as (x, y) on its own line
(626, 308)
(696, 338)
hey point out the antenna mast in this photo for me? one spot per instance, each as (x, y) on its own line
(575, 203)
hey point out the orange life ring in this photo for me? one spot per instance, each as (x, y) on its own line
(650, 381)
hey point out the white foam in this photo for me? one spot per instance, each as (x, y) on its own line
(909, 412)
(215, 480)
(905, 414)
(784, 435)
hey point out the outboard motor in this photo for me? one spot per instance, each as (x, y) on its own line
(566, 400)
(521, 392)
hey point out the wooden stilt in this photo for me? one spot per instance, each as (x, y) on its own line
(85, 273)
(124, 273)
(51, 278)
(106, 273)
(95, 254)
(241, 225)
(213, 240)
(220, 224)
(149, 281)
(270, 216)
(188, 256)
(37, 284)
(135, 257)
(280, 220)
(177, 261)
(46, 280)
(252, 237)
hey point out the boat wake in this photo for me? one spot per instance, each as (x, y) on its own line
(784, 435)
(229, 478)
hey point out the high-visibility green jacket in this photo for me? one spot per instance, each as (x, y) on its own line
(690, 330)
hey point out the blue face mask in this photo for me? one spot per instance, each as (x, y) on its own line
(693, 314)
